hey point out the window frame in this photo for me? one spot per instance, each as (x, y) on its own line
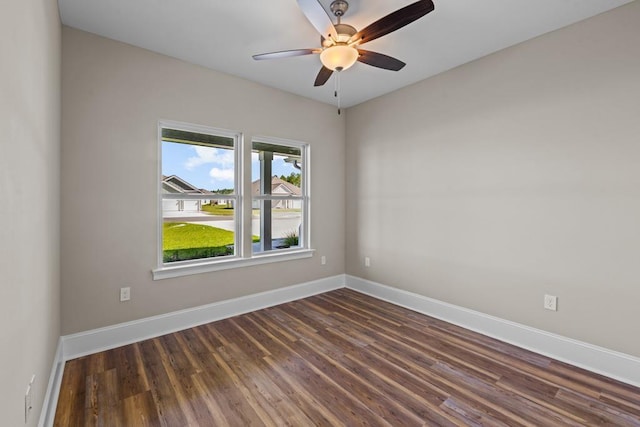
(242, 197)
(305, 220)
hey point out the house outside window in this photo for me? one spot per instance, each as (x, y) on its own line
(203, 208)
(280, 194)
(199, 194)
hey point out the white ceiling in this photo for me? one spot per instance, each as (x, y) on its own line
(222, 35)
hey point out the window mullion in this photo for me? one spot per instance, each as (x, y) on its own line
(266, 158)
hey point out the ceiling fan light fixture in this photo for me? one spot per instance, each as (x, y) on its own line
(339, 57)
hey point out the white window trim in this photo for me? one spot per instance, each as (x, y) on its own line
(243, 257)
(305, 149)
(225, 263)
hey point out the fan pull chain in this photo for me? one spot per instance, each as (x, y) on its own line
(336, 92)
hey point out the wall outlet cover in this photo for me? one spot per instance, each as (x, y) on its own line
(125, 294)
(551, 302)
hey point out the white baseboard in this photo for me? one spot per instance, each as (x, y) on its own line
(600, 360)
(620, 366)
(50, 401)
(109, 337)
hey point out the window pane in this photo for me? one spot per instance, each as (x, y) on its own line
(277, 222)
(192, 234)
(285, 227)
(201, 167)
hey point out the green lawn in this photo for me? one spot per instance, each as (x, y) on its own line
(182, 235)
(228, 211)
(184, 241)
(218, 209)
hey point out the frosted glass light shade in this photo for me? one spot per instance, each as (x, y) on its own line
(339, 57)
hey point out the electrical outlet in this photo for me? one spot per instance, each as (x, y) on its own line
(551, 302)
(28, 399)
(323, 260)
(367, 261)
(125, 294)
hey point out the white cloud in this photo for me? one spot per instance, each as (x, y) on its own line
(221, 174)
(208, 155)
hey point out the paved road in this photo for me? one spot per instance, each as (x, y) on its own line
(283, 223)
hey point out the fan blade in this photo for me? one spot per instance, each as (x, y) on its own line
(285, 54)
(323, 76)
(379, 60)
(318, 17)
(393, 21)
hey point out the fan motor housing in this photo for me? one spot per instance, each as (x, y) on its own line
(345, 31)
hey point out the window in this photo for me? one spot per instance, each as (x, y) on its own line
(199, 195)
(206, 223)
(279, 194)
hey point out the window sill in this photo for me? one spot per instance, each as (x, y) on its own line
(168, 272)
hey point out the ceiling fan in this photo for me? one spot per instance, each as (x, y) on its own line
(340, 43)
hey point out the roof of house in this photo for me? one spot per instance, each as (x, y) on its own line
(277, 183)
(175, 184)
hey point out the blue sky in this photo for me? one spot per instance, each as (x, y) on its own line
(211, 168)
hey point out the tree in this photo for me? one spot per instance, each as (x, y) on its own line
(224, 191)
(293, 178)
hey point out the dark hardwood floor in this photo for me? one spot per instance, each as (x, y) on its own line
(340, 358)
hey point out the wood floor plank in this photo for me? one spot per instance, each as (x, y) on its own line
(234, 409)
(271, 398)
(290, 384)
(609, 415)
(353, 379)
(336, 359)
(179, 371)
(132, 379)
(72, 393)
(162, 390)
(102, 399)
(542, 394)
(255, 401)
(140, 410)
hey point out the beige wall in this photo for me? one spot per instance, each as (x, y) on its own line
(113, 96)
(510, 177)
(487, 186)
(29, 207)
